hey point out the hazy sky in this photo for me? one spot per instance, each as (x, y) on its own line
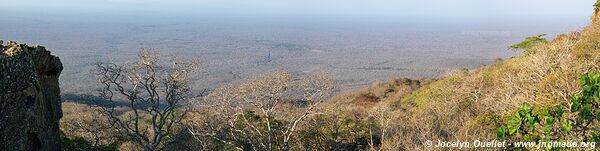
(340, 8)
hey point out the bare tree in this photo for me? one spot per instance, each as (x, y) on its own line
(154, 91)
(264, 113)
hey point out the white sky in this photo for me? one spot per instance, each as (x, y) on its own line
(362, 8)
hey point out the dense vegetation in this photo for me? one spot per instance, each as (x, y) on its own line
(548, 93)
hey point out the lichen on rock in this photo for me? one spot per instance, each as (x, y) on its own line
(30, 104)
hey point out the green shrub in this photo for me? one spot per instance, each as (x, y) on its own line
(557, 122)
(529, 42)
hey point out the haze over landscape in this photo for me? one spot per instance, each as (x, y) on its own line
(281, 75)
(357, 42)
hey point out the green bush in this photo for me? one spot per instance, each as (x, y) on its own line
(557, 122)
(529, 42)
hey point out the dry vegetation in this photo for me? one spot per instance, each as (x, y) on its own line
(469, 105)
(87, 123)
(264, 113)
(283, 111)
(155, 93)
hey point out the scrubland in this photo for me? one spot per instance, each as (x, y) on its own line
(292, 111)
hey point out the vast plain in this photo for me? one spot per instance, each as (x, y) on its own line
(310, 75)
(357, 52)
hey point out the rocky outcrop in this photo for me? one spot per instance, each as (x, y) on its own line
(30, 106)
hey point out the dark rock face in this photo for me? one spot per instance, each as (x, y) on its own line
(30, 105)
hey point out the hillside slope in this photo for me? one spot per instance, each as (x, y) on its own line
(469, 105)
(400, 114)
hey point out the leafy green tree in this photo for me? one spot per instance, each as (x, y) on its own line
(529, 42)
(597, 5)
